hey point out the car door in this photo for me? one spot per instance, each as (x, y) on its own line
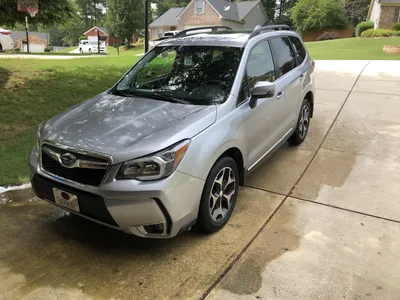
(288, 84)
(262, 122)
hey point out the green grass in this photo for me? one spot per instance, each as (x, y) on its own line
(33, 91)
(353, 49)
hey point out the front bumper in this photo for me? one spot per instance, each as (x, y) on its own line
(128, 205)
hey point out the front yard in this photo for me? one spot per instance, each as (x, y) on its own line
(33, 90)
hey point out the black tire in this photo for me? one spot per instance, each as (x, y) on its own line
(81, 51)
(205, 221)
(90, 51)
(1, 47)
(303, 124)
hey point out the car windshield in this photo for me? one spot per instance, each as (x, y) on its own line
(188, 74)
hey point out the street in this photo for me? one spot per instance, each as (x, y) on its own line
(321, 221)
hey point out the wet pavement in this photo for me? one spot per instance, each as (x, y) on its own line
(321, 221)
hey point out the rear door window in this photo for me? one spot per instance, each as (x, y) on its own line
(299, 49)
(284, 55)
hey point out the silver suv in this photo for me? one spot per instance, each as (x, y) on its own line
(168, 146)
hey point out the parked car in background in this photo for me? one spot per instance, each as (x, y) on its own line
(89, 46)
(168, 146)
(167, 35)
(6, 42)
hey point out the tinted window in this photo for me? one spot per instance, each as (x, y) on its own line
(299, 49)
(260, 65)
(284, 55)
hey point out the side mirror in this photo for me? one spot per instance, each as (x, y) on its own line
(262, 89)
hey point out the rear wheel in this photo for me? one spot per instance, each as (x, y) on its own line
(1, 47)
(303, 124)
(219, 195)
(90, 51)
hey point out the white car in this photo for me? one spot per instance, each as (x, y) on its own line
(86, 46)
(6, 42)
(167, 35)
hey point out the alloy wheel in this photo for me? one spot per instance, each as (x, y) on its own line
(304, 121)
(222, 191)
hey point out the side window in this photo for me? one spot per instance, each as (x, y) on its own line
(244, 92)
(299, 49)
(260, 65)
(284, 55)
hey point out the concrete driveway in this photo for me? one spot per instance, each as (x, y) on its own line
(316, 222)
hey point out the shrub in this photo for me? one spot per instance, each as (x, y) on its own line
(17, 49)
(360, 28)
(396, 26)
(328, 36)
(47, 49)
(372, 33)
(316, 15)
(82, 37)
(128, 46)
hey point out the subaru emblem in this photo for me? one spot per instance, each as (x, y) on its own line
(68, 160)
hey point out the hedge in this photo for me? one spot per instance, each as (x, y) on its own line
(360, 28)
(371, 33)
(396, 26)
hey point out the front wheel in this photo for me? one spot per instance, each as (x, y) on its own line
(219, 195)
(303, 124)
(81, 51)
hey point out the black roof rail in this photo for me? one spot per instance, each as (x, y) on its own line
(260, 29)
(185, 32)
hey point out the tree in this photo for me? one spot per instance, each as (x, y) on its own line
(91, 11)
(270, 7)
(316, 15)
(50, 12)
(357, 10)
(125, 18)
(283, 11)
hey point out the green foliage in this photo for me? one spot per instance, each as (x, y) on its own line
(396, 26)
(315, 15)
(92, 12)
(364, 26)
(125, 18)
(373, 33)
(50, 12)
(269, 6)
(82, 37)
(164, 5)
(357, 10)
(17, 50)
(47, 49)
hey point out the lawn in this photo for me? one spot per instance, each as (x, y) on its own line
(353, 49)
(34, 90)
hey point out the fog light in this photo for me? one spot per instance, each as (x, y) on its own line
(154, 229)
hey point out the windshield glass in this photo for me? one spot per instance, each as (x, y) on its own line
(187, 74)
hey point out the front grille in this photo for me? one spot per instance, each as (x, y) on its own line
(92, 177)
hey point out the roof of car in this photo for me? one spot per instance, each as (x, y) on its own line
(228, 38)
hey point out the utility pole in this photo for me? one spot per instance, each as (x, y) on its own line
(27, 34)
(146, 26)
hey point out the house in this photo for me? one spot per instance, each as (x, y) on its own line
(91, 35)
(384, 13)
(38, 41)
(198, 13)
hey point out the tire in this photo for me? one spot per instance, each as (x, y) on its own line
(303, 124)
(90, 51)
(1, 47)
(81, 51)
(214, 213)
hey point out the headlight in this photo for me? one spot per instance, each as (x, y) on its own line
(157, 166)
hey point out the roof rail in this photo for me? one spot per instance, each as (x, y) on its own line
(185, 32)
(259, 29)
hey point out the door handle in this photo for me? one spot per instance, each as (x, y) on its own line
(301, 77)
(279, 96)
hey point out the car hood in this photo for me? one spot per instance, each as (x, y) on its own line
(127, 127)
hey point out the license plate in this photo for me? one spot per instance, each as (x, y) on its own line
(65, 199)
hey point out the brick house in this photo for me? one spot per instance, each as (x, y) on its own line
(38, 41)
(237, 15)
(384, 13)
(91, 34)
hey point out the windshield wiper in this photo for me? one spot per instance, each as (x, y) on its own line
(159, 96)
(121, 93)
